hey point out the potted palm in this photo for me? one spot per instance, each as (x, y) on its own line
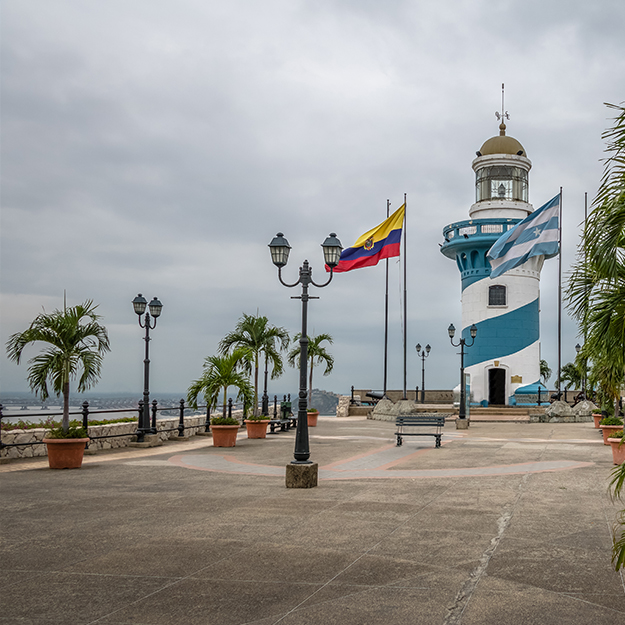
(317, 354)
(256, 426)
(75, 342)
(609, 426)
(312, 414)
(221, 372)
(256, 337)
(617, 442)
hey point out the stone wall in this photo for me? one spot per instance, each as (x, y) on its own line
(192, 424)
(431, 397)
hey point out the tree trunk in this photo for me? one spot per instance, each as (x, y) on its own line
(255, 411)
(312, 362)
(225, 401)
(65, 422)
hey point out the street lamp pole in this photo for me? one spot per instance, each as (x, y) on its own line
(139, 304)
(423, 355)
(279, 247)
(462, 414)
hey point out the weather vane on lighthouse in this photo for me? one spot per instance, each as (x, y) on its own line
(504, 114)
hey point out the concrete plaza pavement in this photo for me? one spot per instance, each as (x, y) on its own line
(507, 523)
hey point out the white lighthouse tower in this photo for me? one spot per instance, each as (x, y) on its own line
(506, 353)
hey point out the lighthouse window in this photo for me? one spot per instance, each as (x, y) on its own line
(497, 295)
(501, 183)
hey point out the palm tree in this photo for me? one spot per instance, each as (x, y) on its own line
(545, 371)
(596, 289)
(571, 376)
(317, 354)
(257, 337)
(221, 372)
(76, 341)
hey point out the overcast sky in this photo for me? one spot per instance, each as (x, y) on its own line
(156, 146)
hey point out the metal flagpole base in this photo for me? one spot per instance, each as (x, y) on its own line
(302, 475)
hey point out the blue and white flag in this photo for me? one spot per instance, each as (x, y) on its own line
(536, 235)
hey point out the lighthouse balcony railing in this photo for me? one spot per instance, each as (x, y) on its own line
(492, 227)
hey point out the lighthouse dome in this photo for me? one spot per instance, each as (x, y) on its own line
(502, 144)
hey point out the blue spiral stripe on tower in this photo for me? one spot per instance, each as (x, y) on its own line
(503, 335)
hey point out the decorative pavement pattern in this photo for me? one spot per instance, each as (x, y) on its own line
(380, 463)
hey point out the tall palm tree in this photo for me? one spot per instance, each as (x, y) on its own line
(317, 354)
(221, 372)
(596, 289)
(571, 376)
(76, 341)
(545, 371)
(257, 337)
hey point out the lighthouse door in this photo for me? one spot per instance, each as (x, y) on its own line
(497, 387)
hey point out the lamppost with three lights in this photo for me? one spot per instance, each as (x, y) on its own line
(139, 303)
(302, 472)
(423, 355)
(462, 423)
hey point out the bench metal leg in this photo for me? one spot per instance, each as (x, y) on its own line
(399, 441)
(438, 440)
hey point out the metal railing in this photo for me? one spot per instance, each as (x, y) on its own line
(85, 412)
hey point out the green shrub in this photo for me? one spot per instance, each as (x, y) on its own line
(51, 423)
(617, 434)
(259, 417)
(74, 431)
(611, 421)
(224, 421)
(311, 410)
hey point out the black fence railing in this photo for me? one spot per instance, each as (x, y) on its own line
(85, 412)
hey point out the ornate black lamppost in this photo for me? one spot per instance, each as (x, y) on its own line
(423, 355)
(462, 423)
(139, 303)
(302, 472)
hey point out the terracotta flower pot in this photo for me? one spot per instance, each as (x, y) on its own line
(608, 430)
(224, 435)
(256, 429)
(618, 450)
(65, 453)
(312, 418)
(596, 419)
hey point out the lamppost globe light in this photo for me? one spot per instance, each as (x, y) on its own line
(428, 349)
(155, 307)
(578, 347)
(279, 248)
(418, 347)
(139, 303)
(332, 249)
(451, 330)
(473, 331)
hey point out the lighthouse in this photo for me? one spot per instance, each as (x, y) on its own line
(505, 357)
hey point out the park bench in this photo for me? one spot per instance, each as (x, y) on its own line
(286, 419)
(425, 419)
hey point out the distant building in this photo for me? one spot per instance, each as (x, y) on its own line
(505, 358)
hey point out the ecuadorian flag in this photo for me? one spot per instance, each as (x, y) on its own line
(381, 242)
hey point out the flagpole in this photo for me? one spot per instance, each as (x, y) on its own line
(388, 205)
(405, 301)
(560, 297)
